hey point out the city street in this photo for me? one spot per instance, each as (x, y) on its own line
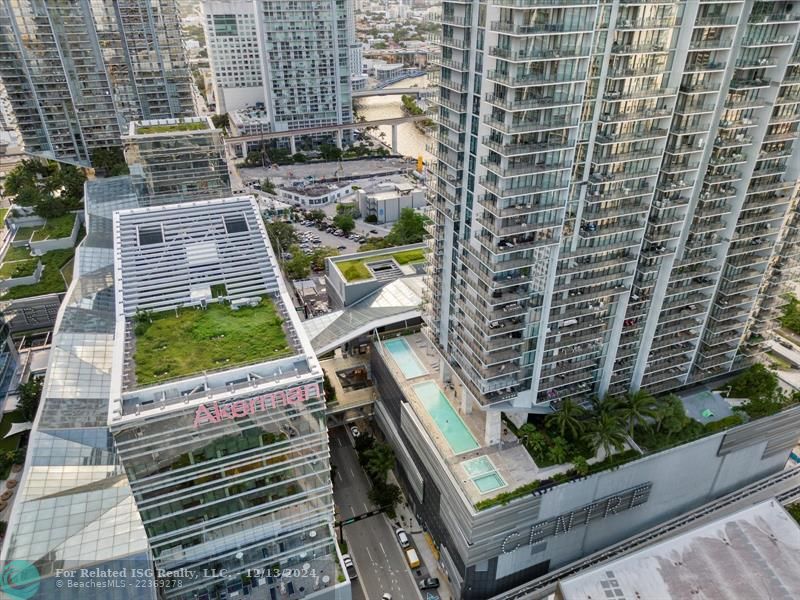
(371, 542)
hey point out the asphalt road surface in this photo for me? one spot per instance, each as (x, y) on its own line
(328, 239)
(379, 561)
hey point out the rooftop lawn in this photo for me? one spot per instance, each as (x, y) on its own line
(356, 269)
(55, 228)
(52, 282)
(203, 340)
(17, 253)
(172, 127)
(20, 268)
(24, 233)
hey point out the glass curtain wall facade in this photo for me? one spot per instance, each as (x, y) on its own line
(611, 184)
(173, 164)
(76, 73)
(247, 494)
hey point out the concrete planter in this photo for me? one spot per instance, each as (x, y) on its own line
(29, 280)
(39, 248)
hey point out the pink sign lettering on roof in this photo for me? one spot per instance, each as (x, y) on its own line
(236, 409)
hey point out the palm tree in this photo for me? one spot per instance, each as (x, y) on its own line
(635, 408)
(607, 432)
(567, 418)
(380, 460)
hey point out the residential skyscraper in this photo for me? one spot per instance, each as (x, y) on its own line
(77, 73)
(610, 191)
(305, 53)
(233, 53)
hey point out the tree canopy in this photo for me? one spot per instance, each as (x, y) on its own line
(50, 188)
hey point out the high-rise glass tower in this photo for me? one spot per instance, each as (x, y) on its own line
(76, 73)
(610, 193)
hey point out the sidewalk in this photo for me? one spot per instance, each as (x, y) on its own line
(425, 548)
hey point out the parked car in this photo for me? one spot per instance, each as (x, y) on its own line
(354, 430)
(342, 248)
(429, 583)
(373, 231)
(412, 558)
(402, 537)
(386, 596)
(349, 566)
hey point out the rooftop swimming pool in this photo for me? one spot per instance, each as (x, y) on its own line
(483, 474)
(458, 437)
(405, 358)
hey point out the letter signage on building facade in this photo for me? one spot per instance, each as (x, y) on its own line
(236, 409)
(580, 517)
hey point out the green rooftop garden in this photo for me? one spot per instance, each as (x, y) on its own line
(24, 233)
(170, 128)
(574, 435)
(19, 268)
(356, 269)
(170, 345)
(55, 228)
(17, 253)
(52, 281)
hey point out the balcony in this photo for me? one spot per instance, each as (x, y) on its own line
(510, 150)
(768, 39)
(584, 26)
(614, 96)
(502, 230)
(640, 115)
(665, 23)
(650, 134)
(511, 192)
(524, 169)
(537, 102)
(533, 79)
(655, 48)
(555, 123)
(533, 54)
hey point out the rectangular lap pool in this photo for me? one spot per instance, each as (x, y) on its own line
(446, 418)
(404, 356)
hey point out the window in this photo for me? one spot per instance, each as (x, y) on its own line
(150, 234)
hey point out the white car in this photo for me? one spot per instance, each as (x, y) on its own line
(386, 596)
(354, 430)
(348, 562)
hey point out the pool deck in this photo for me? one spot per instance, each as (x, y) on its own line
(511, 460)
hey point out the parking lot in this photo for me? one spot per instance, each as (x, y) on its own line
(328, 239)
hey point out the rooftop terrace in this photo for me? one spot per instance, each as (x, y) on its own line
(169, 125)
(357, 269)
(189, 341)
(482, 470)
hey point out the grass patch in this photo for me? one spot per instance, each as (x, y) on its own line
(24, 233)
(17, 253)
(356, 269)
(173, 127)
(20, 268)
(55, 228)
(201, 340)
(51, 282)
(3, 213)
(778, 361)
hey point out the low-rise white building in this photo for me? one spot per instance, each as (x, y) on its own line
(386, 200)
(314, 195)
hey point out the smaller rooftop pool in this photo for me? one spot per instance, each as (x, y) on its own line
(454, 430)
(405, 359)
(483, 474)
